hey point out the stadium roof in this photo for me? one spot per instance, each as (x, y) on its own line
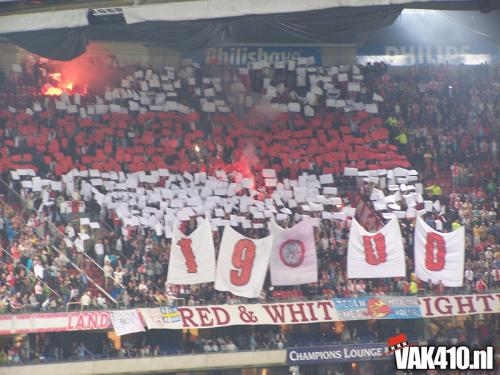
(187, 25)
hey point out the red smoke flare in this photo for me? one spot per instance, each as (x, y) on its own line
(246, 161)
(92, 71)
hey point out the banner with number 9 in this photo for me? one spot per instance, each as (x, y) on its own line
(242, 263)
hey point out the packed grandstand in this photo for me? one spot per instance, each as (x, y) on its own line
(220, 208)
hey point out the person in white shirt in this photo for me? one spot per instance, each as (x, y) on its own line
(46, 304)
(39, 269)
(469, 276)
(85, 301)
(70, 232)
(118, 275)
(99, 252)
(108, 274)
(119, 245)
(495, 274)
(101, 302)
(143, 287)
(73, 295)
(230, 347)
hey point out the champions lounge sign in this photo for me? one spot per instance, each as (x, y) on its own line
(337, 353)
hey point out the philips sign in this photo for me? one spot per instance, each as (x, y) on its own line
(242, 55)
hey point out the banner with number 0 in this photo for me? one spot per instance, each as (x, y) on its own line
(439, 256)
(375, 255)
(242, 263)
(192, 258)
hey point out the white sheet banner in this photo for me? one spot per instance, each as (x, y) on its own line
(375, 255)
(54, 322)
(439, 256)
(192, 258)
(242, 263)
(434, 306)
(293, 260)
(126, 322)
(194, 10)
(44, 20)
(228, 315)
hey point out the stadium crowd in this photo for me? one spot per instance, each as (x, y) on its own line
(307, 119)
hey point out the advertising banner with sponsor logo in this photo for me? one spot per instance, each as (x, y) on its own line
(54, 322)
(383, 307)
(228, 315)
(337, 353)
(435, 306)
(242, 55)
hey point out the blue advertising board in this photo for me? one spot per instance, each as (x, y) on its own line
(378, 307)
(337, 353)
(242, 55)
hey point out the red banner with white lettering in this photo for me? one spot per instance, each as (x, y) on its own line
(439, 257)
(375, 255)
(242, 263)
(192, 258)
(293, 260)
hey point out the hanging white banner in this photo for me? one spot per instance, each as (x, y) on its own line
(192, 258)
(126, 322)
(439, 257)
(293, 259)
(375, 255)
(242, 263)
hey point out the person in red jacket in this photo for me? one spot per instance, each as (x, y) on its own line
(481, 286)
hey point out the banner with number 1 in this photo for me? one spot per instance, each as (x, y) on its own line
(192, 258)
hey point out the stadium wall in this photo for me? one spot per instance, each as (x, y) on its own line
(152, 365)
